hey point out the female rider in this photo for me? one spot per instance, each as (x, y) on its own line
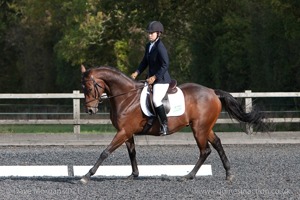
(156, 57)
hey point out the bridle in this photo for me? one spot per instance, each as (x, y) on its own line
(97, 96)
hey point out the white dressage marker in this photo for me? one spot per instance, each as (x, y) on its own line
(28, 171)
(144, 170)
(116, 170)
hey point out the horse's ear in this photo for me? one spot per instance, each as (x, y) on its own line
(82, 69)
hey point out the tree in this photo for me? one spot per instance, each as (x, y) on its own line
(274, 47)
(233, 45)
(9, 18)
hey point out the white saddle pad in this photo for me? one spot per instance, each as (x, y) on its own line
(176, 103)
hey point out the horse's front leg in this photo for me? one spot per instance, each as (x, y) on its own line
(132, 155)
(118, 140)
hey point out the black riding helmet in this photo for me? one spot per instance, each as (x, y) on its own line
(155, 26)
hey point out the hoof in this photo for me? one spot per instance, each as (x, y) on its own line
(181, 179)
(188, 177)
(132, 176)
(230, 178)
(84, 180)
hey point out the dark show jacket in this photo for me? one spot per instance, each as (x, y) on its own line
(158, 62)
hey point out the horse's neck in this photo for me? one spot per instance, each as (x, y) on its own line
(117, 82)
(116, 87)
(123, 96)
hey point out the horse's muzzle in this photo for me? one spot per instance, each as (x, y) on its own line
(91, 111)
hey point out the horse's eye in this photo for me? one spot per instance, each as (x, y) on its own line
(86, 90)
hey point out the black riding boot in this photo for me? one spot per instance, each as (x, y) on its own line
(162, 117)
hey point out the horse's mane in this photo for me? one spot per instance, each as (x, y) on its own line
(105, 67)
(113, 69)
(118, 73)
(109, 68)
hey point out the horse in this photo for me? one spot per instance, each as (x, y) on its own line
(202, 108)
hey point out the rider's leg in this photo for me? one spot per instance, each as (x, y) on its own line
(160, 111)
(159, 91)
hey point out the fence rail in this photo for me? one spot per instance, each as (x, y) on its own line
(76, 96)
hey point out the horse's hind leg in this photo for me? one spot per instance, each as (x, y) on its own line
(201, 139)
(216, 143)
(132, 155)
(204, 153)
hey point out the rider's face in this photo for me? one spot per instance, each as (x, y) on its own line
(152, 36)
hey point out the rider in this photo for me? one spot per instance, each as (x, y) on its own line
(156, 57)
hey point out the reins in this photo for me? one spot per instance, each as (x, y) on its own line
(108, 97)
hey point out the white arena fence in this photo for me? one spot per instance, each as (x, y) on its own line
(76, 121)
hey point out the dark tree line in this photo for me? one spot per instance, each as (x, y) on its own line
(233, 45)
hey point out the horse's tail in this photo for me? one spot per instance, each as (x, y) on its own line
(236, 111)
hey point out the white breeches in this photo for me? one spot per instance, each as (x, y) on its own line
(159, 92)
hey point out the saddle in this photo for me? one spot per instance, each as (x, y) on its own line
(173, 103)
(172, 87)
(171, 90)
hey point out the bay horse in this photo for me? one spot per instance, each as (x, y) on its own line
(203, 106)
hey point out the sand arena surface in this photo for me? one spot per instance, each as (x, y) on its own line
(261, 172)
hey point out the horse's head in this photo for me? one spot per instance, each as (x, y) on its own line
(93, 89)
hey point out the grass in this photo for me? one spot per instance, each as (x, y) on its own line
(108, 128)
(92, 129)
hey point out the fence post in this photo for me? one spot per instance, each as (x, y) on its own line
(248, 107)
(76, 113)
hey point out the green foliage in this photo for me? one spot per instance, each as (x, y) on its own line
(9, 17)
(229, 66)
(75, 46)
(233, 44)
(121, 51)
